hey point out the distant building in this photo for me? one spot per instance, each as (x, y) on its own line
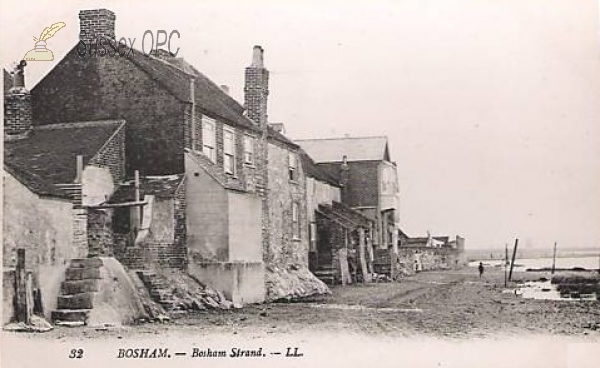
(369, 184)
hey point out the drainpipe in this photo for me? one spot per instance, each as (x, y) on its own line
(193, 115)
(79, 169)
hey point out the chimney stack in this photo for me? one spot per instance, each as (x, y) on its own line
(95, 24)
(17, 107)
(225, 88)
(256, 88)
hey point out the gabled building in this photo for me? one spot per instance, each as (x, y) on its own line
(369, 184)
(240, 204)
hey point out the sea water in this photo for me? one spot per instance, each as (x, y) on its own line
(522, 264)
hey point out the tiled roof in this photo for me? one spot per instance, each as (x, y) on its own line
(48, 155)
(159, 186)
(355, 149)
(175, 75)
(312, 170)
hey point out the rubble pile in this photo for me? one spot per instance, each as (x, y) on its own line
(166, 294)
(293, 282)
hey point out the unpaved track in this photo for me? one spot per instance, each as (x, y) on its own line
(446, 304)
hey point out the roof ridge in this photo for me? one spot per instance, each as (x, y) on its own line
(79, 124)
(342, 138)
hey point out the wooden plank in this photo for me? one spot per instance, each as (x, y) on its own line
(22, 309)
(366, 276)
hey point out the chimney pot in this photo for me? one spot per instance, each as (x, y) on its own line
(257, 57)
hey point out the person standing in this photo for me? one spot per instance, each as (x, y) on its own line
(480, 269)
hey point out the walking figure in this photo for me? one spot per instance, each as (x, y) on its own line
(480, 269)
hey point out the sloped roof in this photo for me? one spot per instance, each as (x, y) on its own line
(312, 170)
(355, 149)
(344, 215)
(48, 155)
(175, 75)
(159, 186)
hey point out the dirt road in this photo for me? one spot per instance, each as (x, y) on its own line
(446, 304)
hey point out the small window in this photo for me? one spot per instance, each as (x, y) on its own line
(196, 135)
(229, 151)
(295, 221)
(293, 166)
(209, 138)
(248, 150)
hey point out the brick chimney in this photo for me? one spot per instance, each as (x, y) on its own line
(256, 88)
(17, 107)
(96, 23)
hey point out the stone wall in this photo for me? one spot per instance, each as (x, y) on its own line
(45, 228)
(283, 249)
(100, 232)
(416, 259)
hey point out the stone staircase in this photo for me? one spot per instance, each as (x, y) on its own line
(325, 273)
(158, 288)
(76, 298)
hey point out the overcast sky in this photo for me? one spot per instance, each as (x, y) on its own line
(491, 107)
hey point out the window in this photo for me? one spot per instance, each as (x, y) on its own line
(293, 166)
(229, 151)
(196, 135)
(248, 150)
(209, 138)
(295, 221)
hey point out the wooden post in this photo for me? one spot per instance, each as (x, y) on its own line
(512, 263)
(22, 309)
(343, 259)
(554, 260)
(363, 261)
(505, 263)
(135, 211)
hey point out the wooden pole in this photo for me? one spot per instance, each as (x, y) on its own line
(554, 259)
(512, 263)
(363, 259)
(22, 309)
(505, 263)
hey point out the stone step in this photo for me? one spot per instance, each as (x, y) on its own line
(78, 286)
(82, 274)
(86, 263)
(76, 301)
(70, 315)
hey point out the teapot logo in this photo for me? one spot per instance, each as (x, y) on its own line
(40, 52)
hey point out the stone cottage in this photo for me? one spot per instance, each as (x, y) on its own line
(238, 201)
(52, 173)
(369, 182)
